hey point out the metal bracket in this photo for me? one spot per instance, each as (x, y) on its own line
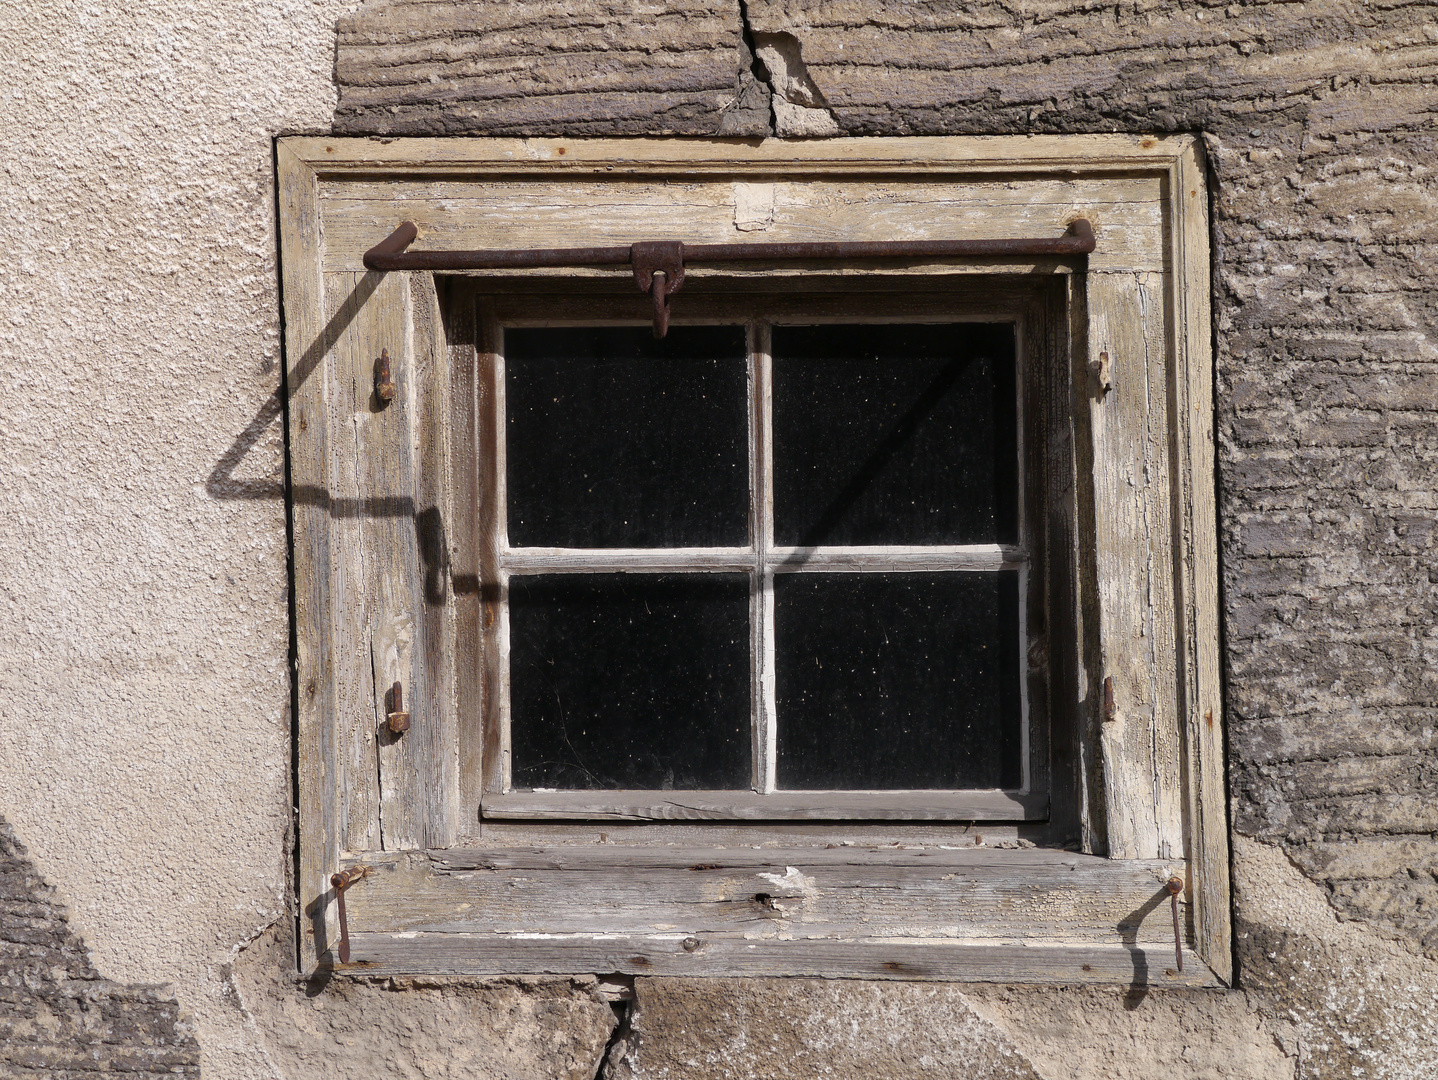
(342, 881)
(659, 271)
(659, 264)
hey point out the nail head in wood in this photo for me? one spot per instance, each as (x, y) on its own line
(383, 377)
(397, 719)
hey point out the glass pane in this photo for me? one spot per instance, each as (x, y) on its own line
(615, 439)
(895, 435)
(629, 681)
(897, 680)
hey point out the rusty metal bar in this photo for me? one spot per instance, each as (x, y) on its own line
(658, 265)
(390, 253)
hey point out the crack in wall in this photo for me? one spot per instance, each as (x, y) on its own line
(798, 107)
(775, 94)
(617, 1048)
(752, 110)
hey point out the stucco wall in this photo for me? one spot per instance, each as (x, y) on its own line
(146, 748)
(145, 757)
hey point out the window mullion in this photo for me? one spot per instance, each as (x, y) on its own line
(761, 487)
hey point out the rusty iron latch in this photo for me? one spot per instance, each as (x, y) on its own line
(342, 881)
(663, 260)
(1175, 886)
(658, 271)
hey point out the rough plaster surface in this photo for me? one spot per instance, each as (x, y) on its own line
(144, 643)
(406, 1029)
(807, 1029)
(145, 757)
(512, 66)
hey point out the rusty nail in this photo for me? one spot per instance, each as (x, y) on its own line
(383, 379)
(342, 881)
(1110, 710)
(398, 719)
(1175, 886)
(691, 943)
(1103, 372)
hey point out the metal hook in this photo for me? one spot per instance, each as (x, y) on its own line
(1175, 886)
(342, 881)
(659, 271)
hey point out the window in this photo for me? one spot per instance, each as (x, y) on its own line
(863, 625)
(773, 565)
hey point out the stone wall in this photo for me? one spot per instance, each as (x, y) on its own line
(58, 1016)
(143, 665)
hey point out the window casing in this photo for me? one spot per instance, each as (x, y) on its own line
(400, 571)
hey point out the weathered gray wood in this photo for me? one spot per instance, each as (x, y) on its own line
(1133, 550)
(737, 956)
(857, 896)
(307, 339)
(434, 734)
(1198, 565)
(387, 549)
(465, 548)
(350, 611)
(763, 691)
(492, 530)
(1159, 235)
(580, 211)
(982, 557)
(781, 805)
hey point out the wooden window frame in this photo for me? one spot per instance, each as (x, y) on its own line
(391, 583)
(500, 308)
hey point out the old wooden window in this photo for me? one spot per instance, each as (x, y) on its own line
(772, 566)
(864, 625)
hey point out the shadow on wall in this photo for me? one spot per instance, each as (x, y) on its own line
(428, 523)
(68, 1016)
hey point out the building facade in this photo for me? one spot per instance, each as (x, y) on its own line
(149, 764)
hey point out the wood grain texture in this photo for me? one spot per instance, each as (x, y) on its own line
(466, 548)
(803, 909)
(1158, 272)
(438, 424)
(720, 956)
(350, 613)
(1127, 214)
(781, 806)
(307, 340)
(1133, 552)
(1196, 511)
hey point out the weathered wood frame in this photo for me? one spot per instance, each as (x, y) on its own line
(387, 572)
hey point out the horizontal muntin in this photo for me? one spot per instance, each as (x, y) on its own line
(779, 560)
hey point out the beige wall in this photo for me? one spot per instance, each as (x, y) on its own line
(146, 752)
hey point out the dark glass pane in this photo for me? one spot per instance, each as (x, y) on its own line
(629, 681)
(897, 680)
(615, 439)
(895, 435)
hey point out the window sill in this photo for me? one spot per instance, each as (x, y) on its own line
(972, 914)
